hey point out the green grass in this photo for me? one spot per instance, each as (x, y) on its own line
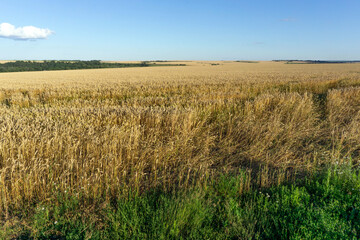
(324, 206)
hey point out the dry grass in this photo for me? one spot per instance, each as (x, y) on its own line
(102, 132)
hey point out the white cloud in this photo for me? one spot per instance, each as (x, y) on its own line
(8, 30)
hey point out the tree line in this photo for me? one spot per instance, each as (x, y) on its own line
(22, 66)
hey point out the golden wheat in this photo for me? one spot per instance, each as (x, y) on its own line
(102, 132)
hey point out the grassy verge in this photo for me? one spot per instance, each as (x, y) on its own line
(322, 206)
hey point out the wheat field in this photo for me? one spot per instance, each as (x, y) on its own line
(99, 133)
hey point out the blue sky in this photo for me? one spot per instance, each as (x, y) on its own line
(186, 29)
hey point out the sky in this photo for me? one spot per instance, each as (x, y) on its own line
(179, 30)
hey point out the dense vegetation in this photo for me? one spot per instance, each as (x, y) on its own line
(324, 206)
(181, 152)
(24, 66)
(314, 61)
